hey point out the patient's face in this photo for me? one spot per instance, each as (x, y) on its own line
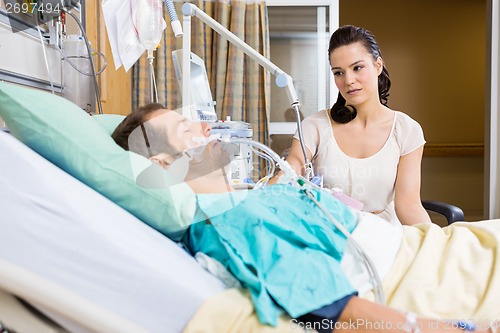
(203, 165)
(181, 133)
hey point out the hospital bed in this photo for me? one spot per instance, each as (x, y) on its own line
(90, 257)
(80, 259)
(67, 248)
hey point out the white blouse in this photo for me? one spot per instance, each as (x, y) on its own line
(370, 180)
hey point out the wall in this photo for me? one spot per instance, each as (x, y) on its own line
(115, 86)
(294, 49)
(21, 53)
(435, 52)
(297, 56)
(492, 123)
(495, 209)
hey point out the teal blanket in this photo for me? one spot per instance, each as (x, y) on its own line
(278, 244)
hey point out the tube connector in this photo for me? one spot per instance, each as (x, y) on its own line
(150, 55)
(282, 80)
(189, 9)
(177, 28)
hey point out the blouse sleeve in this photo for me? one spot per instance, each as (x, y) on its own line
(310, 133)
(409, 134)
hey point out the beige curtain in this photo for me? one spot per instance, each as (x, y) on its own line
(239, 85)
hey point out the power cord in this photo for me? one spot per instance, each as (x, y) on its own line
(91, 59)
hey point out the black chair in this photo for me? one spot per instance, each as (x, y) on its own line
(451, 212)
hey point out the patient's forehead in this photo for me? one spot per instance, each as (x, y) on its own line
(163, 118)
(158, 114)
(168, 123)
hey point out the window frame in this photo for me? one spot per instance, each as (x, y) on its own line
(333, 22)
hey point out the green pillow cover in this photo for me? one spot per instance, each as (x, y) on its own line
(108, 121)
(68, 137)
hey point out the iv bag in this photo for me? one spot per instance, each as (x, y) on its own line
(148, 22)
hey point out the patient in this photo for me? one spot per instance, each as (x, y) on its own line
(286, 251)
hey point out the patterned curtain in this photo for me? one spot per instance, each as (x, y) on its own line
(239, 85)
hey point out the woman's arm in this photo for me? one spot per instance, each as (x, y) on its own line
(361, 316)
(407, 200)
(296, 160)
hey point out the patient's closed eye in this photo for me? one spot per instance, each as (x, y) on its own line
(184, 125)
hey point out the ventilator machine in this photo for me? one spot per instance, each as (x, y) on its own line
(203, 109)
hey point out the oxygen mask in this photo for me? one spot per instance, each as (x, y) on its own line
(202, 141)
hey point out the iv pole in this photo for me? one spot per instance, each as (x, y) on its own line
(283, 80)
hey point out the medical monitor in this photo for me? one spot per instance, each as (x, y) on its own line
(201, 95)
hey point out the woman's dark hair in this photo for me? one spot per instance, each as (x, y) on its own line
(347, 35)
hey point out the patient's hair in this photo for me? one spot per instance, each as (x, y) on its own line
(347, 35)
(135, 134)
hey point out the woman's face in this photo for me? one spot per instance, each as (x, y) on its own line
(356, 73)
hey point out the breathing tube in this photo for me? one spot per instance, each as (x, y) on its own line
(289, 172)
(372, 271)
(290, 176)
(174, 20)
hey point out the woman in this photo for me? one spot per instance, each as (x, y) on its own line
(287, 253)
(361, 146)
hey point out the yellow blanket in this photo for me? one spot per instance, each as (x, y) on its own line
(451, 273)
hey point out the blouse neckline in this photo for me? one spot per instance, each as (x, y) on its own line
(391, 133)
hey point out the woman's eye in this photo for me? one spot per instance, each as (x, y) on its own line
(357, 68)
(337, 73)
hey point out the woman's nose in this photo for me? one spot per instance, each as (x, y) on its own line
(349, 78)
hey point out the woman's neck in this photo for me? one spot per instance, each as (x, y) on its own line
(371, 113)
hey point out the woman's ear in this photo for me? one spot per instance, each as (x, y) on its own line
(379, 64)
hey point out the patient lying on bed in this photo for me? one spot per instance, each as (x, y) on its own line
(295, 262)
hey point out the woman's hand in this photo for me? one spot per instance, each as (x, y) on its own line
(296, 160)
(363, 316)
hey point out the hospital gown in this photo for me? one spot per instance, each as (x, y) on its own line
(278, 244)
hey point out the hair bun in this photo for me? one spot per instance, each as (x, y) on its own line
(343, 113)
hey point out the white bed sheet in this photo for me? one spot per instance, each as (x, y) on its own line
(57, 227)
